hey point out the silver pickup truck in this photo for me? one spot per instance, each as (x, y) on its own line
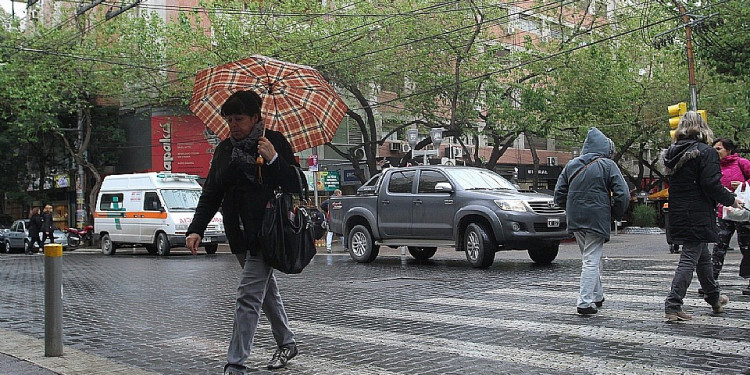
(471, 209)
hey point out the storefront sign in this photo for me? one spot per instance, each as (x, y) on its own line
(181, 144)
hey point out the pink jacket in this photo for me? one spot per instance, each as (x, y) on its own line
(733, 168)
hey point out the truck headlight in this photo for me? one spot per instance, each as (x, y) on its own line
(511, 205)
(180, 227)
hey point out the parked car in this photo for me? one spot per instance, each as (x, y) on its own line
(17, 238)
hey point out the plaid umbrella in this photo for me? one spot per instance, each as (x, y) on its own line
(297, 101)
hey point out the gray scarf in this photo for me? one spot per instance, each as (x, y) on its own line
(245, 152)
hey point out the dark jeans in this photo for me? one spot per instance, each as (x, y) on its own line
(30, 247)
(694, 257)
(726, 230)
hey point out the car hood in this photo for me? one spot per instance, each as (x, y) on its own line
(511, 195)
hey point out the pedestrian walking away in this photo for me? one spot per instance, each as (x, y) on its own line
(326, 207)
(246, 169)
(735, 172)
(35, 226)
(593, 192)
(694, 174)
(48, 226)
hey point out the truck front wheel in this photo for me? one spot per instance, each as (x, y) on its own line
(108, 247)
(422, 253)
(479, 246)
(362, 247)
(544, 254)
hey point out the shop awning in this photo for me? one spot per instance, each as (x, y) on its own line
(661, 194)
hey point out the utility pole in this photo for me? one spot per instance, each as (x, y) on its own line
(690, 56)
(80, 179)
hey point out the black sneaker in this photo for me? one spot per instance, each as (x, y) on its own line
(600, 303)
(282, 356)
(587, 310)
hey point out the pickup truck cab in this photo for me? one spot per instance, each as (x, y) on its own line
(475, 210)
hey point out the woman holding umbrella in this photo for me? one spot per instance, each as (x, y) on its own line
(246, 169)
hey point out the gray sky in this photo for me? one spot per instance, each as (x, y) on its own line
(20, 8)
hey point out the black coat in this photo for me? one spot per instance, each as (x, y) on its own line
(694, 189)
(243, 202)
(35, 225)
(47, 222)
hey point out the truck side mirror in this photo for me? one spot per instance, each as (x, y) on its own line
(443, 187)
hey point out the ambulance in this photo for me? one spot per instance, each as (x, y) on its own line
(152, 210)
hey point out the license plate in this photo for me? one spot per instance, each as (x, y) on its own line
(553, 223)
(206, 239)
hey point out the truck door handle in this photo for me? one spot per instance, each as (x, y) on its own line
(417, 201)
(386, 201)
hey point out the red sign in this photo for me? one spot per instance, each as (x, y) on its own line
(181, 144)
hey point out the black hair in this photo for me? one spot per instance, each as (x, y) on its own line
(242, 103)
(728, 145)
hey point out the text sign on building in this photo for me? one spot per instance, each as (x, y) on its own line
(181, 144)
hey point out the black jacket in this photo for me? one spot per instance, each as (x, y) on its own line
(47, 222)
(35, 225)
(694, 189)
(243, 202)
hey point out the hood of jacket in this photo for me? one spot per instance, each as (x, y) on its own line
(680, 153)
(729, 160)
(596, 145)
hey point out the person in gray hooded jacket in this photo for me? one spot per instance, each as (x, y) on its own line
(593, 192)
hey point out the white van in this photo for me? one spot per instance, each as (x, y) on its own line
(152, 210)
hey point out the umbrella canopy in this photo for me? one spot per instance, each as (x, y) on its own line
(297, 101)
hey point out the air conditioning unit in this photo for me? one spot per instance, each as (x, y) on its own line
(405, 147)
(552, 161)
(395, 146)
(448, 161)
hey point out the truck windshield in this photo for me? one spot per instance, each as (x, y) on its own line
(477, 179)
(180, 199)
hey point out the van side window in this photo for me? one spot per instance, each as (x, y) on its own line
(151, 202)
(428, 180)
(111, 202)
(401, 182)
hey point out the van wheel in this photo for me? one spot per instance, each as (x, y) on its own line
(544, 254)
(108, 247)
(362, 248)
(151, 249)
(211, 249)
(162, 245)
(6, 247)
(422, 253)
(479, 246)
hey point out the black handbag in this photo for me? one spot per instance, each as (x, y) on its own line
(286, 236)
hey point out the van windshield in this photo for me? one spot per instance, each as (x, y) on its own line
(180, 199)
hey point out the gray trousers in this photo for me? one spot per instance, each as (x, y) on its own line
(694, 257)
(591, 245)
(257, 290)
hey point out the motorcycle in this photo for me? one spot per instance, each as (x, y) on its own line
(77, 236)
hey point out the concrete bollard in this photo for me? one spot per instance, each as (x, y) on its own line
(53, 303)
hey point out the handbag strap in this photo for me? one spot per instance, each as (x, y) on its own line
(570, 181)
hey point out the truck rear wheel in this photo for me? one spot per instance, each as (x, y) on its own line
(544, 254)
(479, 246)
(422, 253)
(108, 247)
(211, 249)
(362, 247)
(162, 245)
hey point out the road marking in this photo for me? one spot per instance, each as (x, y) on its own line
(302, 363)
(663, 288)
(509, 354)
(72, 362)
(694, 302)
(576, 330)
(618, 312)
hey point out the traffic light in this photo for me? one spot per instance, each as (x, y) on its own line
(675, 113)
(703, 114)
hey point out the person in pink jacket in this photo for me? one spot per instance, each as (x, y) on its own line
(735, 170)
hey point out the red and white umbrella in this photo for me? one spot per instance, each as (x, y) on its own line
(297, 100)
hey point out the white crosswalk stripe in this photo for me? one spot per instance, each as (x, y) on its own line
(608, 312)
(509, 354)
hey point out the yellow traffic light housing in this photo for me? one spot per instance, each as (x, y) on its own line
(703, 114)
(675, 113)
